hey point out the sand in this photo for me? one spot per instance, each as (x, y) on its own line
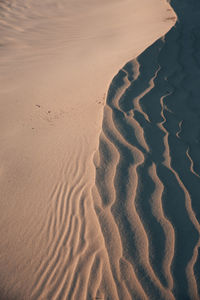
(99, 172)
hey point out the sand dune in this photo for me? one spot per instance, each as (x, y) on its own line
(151, 120)
(99, 189)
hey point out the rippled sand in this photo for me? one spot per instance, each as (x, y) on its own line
(99, 186)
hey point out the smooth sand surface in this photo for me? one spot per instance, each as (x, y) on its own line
(86, 171)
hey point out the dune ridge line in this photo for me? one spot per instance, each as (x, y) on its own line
(147, 181)
(83, 217)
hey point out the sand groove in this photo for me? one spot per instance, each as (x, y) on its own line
(147, 176)
(119, 220)
(66, 231)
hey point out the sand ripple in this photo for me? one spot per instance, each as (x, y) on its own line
(145, 199)
(147, 173)
(135, 233)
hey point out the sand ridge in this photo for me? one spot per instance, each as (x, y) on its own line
(151, 120)
(75, 220)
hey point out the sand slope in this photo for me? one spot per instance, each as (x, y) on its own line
(69, 226)
(147, 167)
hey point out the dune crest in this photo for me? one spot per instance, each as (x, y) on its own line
(80, 218)
(151, 124)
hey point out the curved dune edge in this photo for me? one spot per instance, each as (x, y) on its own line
(63, 237)
(147, 174)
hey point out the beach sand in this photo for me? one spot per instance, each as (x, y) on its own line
(99, 172)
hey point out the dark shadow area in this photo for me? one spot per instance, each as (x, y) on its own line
(162, 105)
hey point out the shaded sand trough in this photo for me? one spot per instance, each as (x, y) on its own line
(130, 230)
(148, 172)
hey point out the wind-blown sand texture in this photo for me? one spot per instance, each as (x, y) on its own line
(115, 217)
